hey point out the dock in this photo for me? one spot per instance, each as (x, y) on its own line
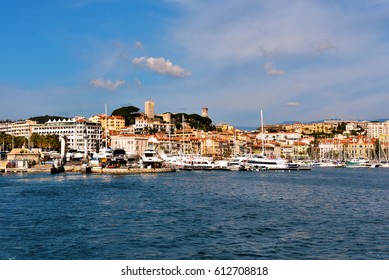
(99, 170)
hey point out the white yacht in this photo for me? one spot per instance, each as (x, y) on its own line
(150, 157)
(260, 162)
(238, 164)
(202, 163)
(328, 163)
(194, 162)
(104, 153)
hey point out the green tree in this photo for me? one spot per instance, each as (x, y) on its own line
(5, 141)
(43, 119)
(194, 120)
(48, 142)
(128, 113)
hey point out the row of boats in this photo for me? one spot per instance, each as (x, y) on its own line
(150, 158)
(352, 163)
(238, 163)
(248, 162)
(261, 162)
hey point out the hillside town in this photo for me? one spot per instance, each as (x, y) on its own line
(330, 140)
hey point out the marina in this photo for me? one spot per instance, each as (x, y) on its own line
(211, 138)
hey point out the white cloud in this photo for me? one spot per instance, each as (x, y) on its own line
(271, 70)
(161, 66)
(321, 46)
(267, 52)
(268, 28)
(138, 83)
(292, 104)
(138, 45)
(107, 84)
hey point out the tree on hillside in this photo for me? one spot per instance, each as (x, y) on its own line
(43, 119)
(194, 120)
(128, 113)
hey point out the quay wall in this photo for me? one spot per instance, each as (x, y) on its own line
(95, 170)
(99, 170)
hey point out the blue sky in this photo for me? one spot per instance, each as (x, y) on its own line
(295, 60)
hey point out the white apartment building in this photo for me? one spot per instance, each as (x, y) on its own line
(5, 127)
(330, 149)
(143, 122)
(132, 144)
(128, 130)
(22, 128)
(375, 130)
(74, 129)
(288, 137)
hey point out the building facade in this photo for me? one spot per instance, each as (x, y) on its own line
(6, 127)
(375, 130)
(132, 144)
(115, 123)
(23, 128)
(74, 130)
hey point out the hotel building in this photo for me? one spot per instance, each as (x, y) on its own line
(74, 129)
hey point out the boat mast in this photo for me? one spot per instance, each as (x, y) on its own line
(106, 127)
(263, 135)
(183, 132)
(170, 140)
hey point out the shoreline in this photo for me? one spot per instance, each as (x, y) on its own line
(94, 170)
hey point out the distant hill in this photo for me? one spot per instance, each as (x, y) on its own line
(43, 119)
(247, 128)
(289, 122)
(381, 120)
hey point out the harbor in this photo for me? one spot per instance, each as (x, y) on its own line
(327, 213)
(186, 142)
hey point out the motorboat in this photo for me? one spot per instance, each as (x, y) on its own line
(299, 166)
(202, 163)
(151, 159)
(120, 156)
(238, 164)
(260, 162)
(357, 162)
(57, 169)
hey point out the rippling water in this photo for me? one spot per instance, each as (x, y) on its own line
(318, 214)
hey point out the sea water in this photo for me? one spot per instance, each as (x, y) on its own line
(326, 213)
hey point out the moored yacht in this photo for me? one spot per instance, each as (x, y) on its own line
(151, 159)
(260, 162)
(239, 163)
(357, 162)
(202, 163)
(299, 166)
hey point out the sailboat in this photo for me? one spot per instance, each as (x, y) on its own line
(262, 162)
(384, 162)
